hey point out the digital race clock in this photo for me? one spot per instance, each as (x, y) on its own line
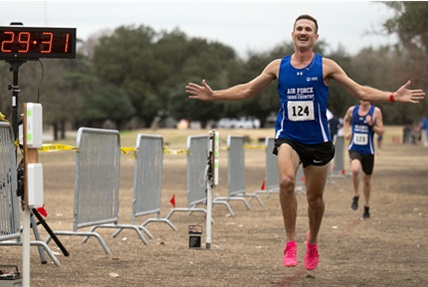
(29, 43)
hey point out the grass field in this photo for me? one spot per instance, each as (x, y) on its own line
(389, 250)
(177, 138)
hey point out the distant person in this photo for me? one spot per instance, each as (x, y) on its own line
(361, 123)
(416, 133)
(301, 130)
(407, 133)
(424, 127)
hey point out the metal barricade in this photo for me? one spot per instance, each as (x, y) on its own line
(197, 151)
(148, 179)
(271, 181)
(272, 174)
(338, 170)
(10, 233)
(9, 205)
(300, 187)
(96, 185)
(236, 173)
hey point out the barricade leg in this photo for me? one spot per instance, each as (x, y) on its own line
(82, 233)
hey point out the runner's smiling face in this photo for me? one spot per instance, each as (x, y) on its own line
(304, 34)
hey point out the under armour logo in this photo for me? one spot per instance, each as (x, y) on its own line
(299, 73)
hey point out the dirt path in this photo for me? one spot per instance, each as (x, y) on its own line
(390, 249)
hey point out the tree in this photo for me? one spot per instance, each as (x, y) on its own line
(409, 23)
(125, 59)
(135, 71)
(339, 99)
(108, 103)
(212, 61)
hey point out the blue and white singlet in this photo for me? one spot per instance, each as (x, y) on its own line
(303, 103)
(362, 134)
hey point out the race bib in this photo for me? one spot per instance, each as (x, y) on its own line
(300, 110)
(361, 139)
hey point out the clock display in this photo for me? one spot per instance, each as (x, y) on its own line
(19, 42)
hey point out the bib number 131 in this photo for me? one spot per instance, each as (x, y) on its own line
(300, 110)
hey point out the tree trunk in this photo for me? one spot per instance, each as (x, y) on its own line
(55, 131)
(62, 130)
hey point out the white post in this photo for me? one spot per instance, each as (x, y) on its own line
(212, 174)
(26, 247)
(216, 156)
(33, 193)
(209, 216)
(209, 190)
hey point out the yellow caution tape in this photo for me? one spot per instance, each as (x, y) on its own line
(3, 118)
(132, 150)
(166, 150)
(125, 150)
(254, 146)
(57, 147)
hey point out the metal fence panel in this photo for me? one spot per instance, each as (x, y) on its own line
(9, 204)
(272, 174)
(148, 175)
(339, 155)
(148, 179)
(97, 173)
(236, 173)
(338, 162)
(197, 152)
(96, 185)
(236, 165)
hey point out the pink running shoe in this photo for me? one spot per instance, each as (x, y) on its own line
(312, 256)
(290, 259)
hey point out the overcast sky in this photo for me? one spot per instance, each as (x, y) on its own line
(244, 25)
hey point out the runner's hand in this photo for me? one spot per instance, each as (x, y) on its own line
(195, 91)
(403, 94)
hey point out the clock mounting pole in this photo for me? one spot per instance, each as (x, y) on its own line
(16, 60)
(14, 68)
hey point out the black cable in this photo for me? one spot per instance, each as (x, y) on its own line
(41, 81)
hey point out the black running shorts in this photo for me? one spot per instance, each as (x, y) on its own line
(312, 154)
(367, 161)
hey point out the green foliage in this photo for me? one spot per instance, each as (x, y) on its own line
(139, 73)
(108, 103)
(409, 23)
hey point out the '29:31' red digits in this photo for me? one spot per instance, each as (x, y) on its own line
(34, 43)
